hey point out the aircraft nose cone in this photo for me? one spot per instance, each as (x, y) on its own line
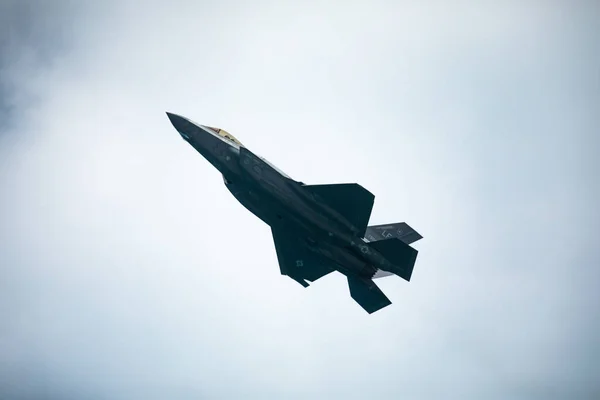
(174, 118)
(180, 124)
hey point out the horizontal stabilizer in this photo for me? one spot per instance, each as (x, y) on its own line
(400, 230)
(366, 293)
(399, 254)
(351, 200)
(297, 261)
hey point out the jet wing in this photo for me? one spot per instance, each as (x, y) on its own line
(297, 261)
(351, 200)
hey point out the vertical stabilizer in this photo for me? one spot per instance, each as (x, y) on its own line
(366, 293)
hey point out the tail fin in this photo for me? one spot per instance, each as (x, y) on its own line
(399, 254)
(366, 293)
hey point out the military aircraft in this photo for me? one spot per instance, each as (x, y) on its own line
(317, 229)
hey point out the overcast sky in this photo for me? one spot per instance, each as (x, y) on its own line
(128, 271)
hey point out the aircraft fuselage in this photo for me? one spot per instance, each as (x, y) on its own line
(316, 228)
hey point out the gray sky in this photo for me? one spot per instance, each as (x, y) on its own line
(127, 270)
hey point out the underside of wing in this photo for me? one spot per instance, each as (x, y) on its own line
(351, 200)
(297, 261)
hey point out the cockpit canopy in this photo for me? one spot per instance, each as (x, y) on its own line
(223, 133)
(228, 136)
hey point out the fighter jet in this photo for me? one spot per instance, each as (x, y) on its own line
(317, 229)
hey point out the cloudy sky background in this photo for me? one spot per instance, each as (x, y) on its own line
(127, 270)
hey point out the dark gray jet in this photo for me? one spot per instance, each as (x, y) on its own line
(317, 229)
